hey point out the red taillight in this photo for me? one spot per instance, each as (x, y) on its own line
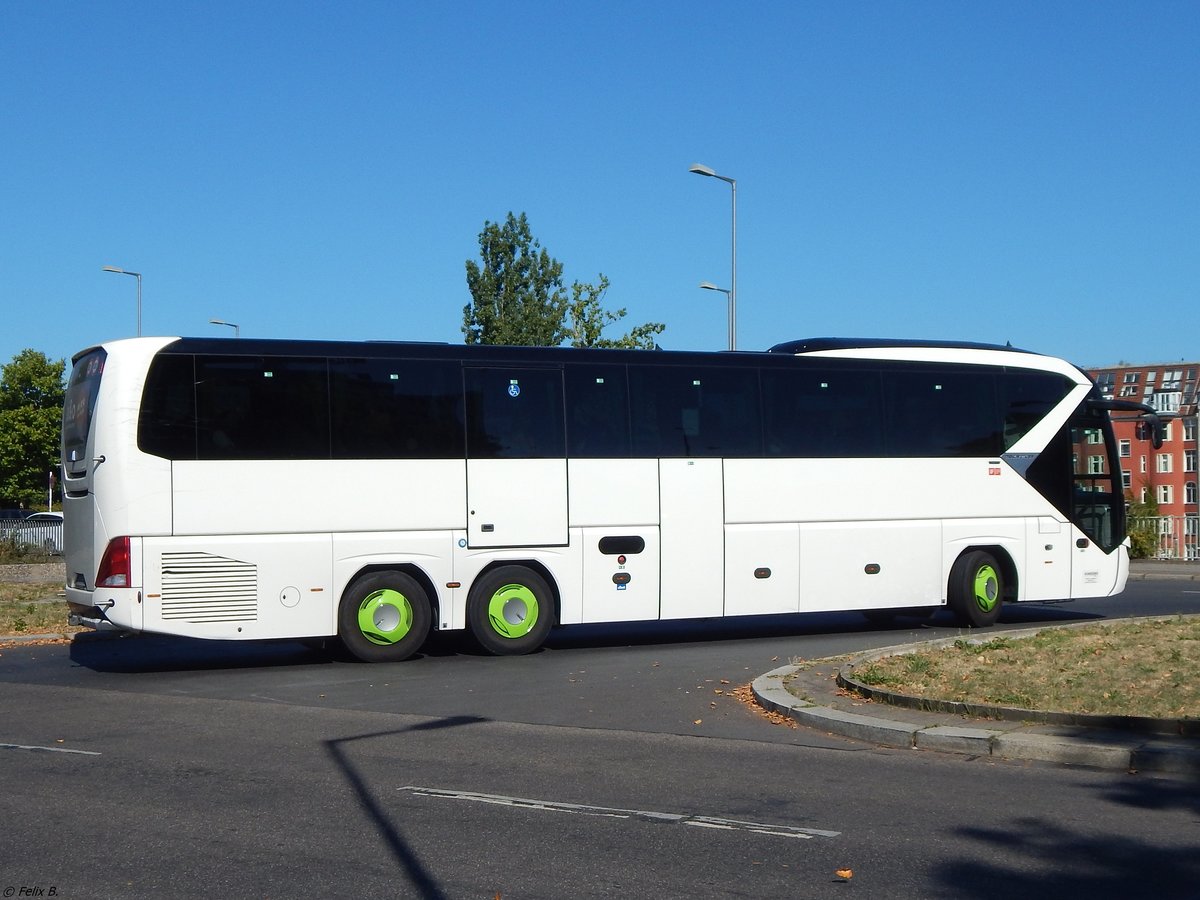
(114, 565)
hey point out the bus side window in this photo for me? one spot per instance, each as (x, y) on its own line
(695, 411)
(167, 421)
(395, 409)
(597, 403)
(250, 407)
(817, 412)
(1026, 397)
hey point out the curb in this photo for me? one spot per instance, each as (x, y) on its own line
(35, 638)
(10, 639)
(1078, 745)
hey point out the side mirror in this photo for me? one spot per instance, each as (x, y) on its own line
(1151, 431)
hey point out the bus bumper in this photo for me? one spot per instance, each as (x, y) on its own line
(106, 609)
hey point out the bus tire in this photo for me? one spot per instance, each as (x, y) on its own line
(384, 617)
(976, 589)
(510, 610)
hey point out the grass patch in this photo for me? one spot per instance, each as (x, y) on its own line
(12, 553)
(32, 609)
(1144, 668)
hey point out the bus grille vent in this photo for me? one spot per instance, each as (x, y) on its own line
(201, 587)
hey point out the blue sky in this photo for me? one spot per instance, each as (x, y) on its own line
(1024, 172)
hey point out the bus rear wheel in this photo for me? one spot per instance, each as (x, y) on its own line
(384, 617)
(510, 611)
(976, 589)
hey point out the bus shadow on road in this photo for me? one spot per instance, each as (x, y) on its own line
(146, 653)
(680, 631)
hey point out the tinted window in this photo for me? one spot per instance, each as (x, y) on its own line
(941, 412)
(167, 425)
(685, 411)
(403, 409)
(250, 407)
(822, 412)
(514, 413)
(1025, 398)
(597, 411)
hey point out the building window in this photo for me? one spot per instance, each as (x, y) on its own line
(1125, 448)
(1167, 431)
(1143, 494)
(1126, 480)
(1189, 460)
(1130, 378)
(1171, 379)
(1095, 465)
(1151, 375)
(1189, 430)
(1164, 463)
(1189, 492)
(1143, 465)
(1094, 436)
(1164, 494)
(1190, 524)
(1129, 390)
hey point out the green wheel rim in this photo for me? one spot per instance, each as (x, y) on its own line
(513, 611)
(987, 588)
(385, 617)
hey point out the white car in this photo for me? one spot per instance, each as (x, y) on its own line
(41, 530)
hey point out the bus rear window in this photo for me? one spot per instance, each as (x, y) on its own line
(79, 404)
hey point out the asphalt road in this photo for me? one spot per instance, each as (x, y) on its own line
(612, 764)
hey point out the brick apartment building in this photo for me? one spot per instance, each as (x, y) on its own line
(1167, 476)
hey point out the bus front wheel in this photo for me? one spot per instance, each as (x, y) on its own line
(976, 589)
(510, 610)
(384, 617)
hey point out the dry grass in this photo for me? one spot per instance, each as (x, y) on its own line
(32, 609)
(1144, 668)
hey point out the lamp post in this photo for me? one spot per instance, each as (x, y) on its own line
(732, 182)
(237, 329)
(138, 276)
(709, 286)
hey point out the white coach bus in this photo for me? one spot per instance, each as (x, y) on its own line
(253, 489)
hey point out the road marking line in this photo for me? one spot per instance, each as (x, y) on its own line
(791, 831)
(48, 749)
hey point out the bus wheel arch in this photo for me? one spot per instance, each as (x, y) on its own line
(385, 613)
(511, 607)
(981, 580)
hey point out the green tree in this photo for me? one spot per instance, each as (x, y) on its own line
(1143, 523)
(517, 297)
(517, 293)
(31, 403)
(588, 319)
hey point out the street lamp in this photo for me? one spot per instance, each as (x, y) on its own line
(237, 329)
(138, 276)
(709, 286)
(709, 173)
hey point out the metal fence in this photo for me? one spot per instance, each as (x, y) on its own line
(1166, 537)
(35, 534)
